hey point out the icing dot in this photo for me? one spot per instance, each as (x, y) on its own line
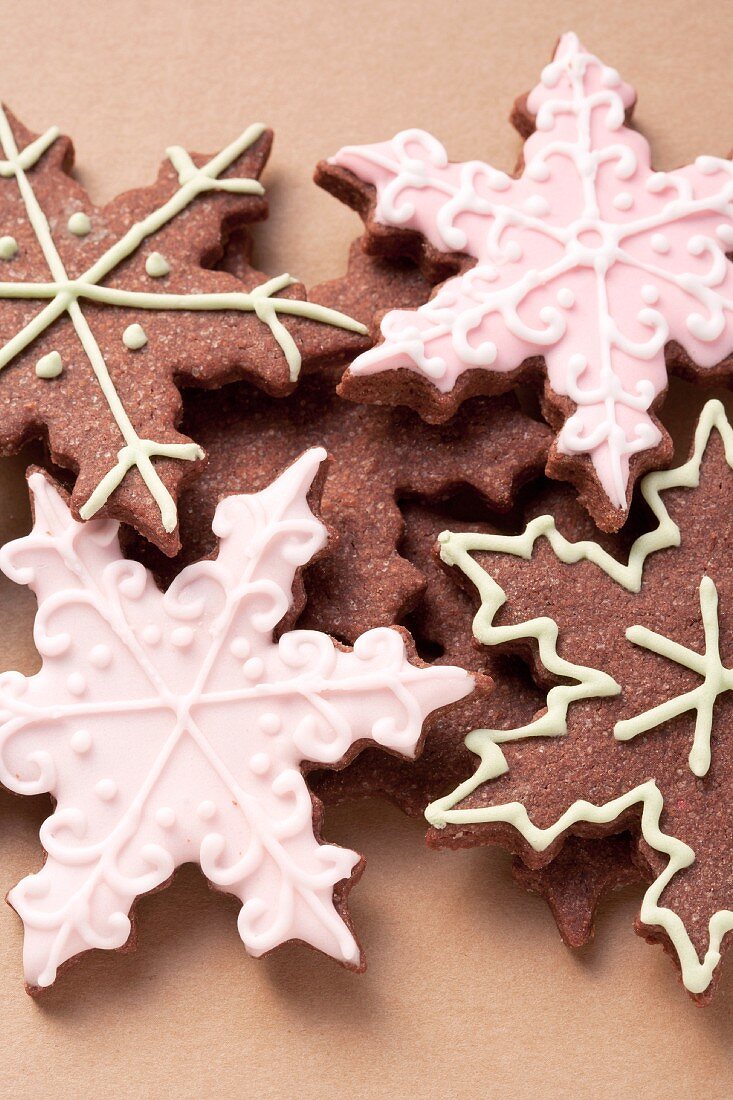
(260, 763)
(79, 224)
(538, 171)
(206, 810)
(106, 789)
(76, 684)
(253, 668)
(513, 252)
(707, 165)
(151, 634)
(487, 275)
(725, 234)
(134, 337)
(165, 817)
(182, 637)
(650, 294)
(8, 248)
(611, 78)
(240, 648)
(660, 243)
(624, 200)
(537, 206)
(100, 656)
(81, 741)
(577, 364)
(499, 181)
(270, 723)
(551, 74)
(157, 266)
(565, 298)
(656, 182)
(49, 366)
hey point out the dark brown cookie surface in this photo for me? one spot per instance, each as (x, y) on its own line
(577, 880)
(441, 625)
(378, 456)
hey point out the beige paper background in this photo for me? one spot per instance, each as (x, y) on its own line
(469, 991)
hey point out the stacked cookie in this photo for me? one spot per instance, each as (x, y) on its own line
(356, 532)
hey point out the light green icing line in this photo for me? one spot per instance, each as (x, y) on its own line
(8, 248)
(79, 224)
(64, 296)
(134, 337)
(716, 679)
(260, 300)
(30, 155)
(157, 266)
(456, 549)
(49, 366)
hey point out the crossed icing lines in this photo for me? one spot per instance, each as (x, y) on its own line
(64, 297)
(716, 679)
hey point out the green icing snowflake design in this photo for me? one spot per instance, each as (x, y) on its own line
(716, 679)
(584, 683)
(63, 295)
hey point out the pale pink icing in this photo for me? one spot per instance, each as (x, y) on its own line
(171, 727)
(589, 258)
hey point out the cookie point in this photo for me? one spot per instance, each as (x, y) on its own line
(568, 43)
(350, 952)
(318, 454)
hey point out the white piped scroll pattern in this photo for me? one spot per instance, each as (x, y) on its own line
(64, 295)
(589, 258)
(170, 728)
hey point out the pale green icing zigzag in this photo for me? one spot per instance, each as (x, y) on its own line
(456, 549)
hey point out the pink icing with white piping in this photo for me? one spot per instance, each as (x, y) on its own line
(170, 728)
(589, 258)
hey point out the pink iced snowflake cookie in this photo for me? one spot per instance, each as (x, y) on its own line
(588, 269)
(172, 727)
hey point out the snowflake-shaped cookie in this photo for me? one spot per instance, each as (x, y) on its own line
(588, 258)
(171, 728)
(105, 312)
(635, 732)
